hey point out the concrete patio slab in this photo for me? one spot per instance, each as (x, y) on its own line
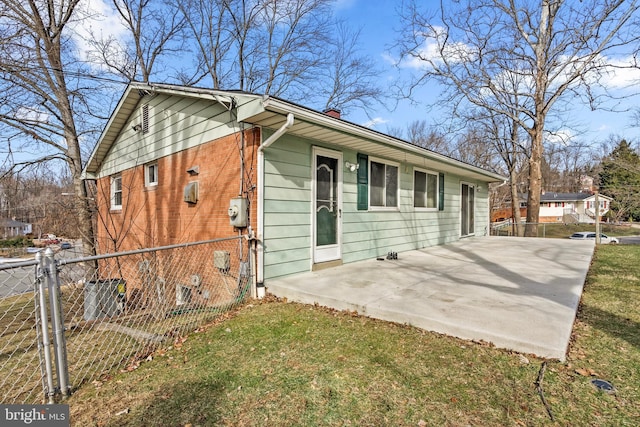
(518, 293)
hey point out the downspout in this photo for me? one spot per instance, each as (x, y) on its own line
(260, 289)
(277, 134)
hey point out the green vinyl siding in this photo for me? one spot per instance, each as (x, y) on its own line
(366, 233)
(287, 207)
(175, 124)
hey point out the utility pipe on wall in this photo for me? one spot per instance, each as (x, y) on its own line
(260, 244)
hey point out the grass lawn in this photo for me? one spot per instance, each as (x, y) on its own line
(273, 363)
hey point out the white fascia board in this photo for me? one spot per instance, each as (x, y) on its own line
(346, 127)
(250, 109)
(105, 139)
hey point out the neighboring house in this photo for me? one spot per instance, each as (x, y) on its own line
(316, 190)
(572, 207)
(559, 207)
(12, 228)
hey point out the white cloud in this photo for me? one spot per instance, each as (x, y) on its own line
(371, 124)
(101, 21)
(621, 74)
(31, 115)
(562, 137)
(344, 4)
(432, 52)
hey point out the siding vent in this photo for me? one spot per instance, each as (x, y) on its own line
(145, 118)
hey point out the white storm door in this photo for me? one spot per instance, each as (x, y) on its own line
(327, 205)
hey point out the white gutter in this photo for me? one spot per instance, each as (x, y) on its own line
(324, 120)
(259, 247)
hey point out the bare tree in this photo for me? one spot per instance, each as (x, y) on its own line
(293, 49)
(557, 47)
(42, 92)
(34, 197)
(350, 78)
(425, 136)
(508, 142)
(208, 25)
(155, 32)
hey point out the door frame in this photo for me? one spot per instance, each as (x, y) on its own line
(329, 252)
(472, 208)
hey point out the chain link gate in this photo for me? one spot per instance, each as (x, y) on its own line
(69, 321)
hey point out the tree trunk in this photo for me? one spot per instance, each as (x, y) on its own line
(515, 205)
(535, 183)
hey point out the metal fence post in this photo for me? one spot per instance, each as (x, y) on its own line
(44, 344)
(57, 325)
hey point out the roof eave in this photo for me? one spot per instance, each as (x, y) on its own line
(112, 129)
(283, 107)
(129, 101)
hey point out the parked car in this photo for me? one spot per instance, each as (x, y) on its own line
(65, 245)
(589, 235)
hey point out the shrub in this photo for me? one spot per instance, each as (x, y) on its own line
(16, 242)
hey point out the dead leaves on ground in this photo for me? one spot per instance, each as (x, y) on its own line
(586, 372)
(148, 356)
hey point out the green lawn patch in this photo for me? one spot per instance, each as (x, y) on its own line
(278, 363)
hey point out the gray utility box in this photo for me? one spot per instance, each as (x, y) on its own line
(103, 298)
(238, 212)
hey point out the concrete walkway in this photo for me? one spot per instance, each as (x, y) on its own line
(518, 293)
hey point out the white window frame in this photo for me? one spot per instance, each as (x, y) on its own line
(116, 188)
(385, 207)
(148, 181)
(426, 192)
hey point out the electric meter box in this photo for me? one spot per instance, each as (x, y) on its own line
(238, 212)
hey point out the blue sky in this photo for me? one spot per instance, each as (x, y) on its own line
(379, 23)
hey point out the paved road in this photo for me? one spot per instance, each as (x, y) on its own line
(16, 281)
(630, 240)
(20, 280)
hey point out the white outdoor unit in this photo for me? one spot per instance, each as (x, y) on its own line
(222, 260)
(183, 294)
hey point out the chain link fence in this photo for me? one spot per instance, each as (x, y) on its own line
(20, 375)
(564, 230)
(66, 322)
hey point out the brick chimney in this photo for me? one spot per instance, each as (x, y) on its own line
(333, 112)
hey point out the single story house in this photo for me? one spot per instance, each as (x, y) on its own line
(12, 228)
(572, 207)
(178, 164)
(558, 207)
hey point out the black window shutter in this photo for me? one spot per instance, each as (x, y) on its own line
(363, 181)
(440, 191)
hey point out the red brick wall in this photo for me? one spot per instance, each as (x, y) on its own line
(157, 216)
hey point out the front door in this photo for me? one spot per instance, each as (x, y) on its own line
(467, 210)
(327, 205)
